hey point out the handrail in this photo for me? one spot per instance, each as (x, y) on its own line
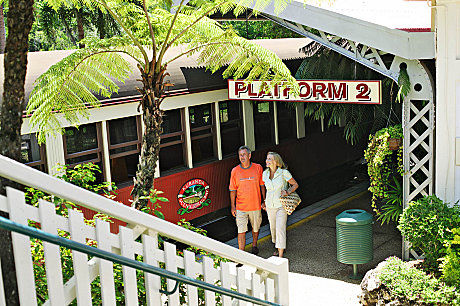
(36, 233)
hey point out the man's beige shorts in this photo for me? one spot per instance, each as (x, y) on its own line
(255, 217)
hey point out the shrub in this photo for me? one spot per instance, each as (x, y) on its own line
(413, 286)
(427, 223)
(450, 264)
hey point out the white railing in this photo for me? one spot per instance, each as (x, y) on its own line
(265, 278)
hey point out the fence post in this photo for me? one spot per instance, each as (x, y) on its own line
(282, 280)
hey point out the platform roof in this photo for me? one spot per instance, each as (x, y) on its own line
(393, 14)
(369, 22)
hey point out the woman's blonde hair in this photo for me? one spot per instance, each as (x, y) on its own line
(278, 160)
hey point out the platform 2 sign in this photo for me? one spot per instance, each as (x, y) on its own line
(193, 195)
(325, 91)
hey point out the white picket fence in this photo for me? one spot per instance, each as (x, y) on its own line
(266, 279)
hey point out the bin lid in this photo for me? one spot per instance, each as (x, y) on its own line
(354, 217)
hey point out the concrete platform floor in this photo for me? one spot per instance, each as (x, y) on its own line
(316, 277)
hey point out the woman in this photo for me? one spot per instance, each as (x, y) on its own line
(276, 178)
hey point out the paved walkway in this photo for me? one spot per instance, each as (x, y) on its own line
(316, 277)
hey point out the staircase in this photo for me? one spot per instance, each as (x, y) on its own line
(265, 279)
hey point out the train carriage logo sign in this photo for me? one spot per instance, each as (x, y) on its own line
(324, 91)
(193, 195)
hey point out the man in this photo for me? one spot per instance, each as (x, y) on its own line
(246, 188)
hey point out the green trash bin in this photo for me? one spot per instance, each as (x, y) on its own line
(354, 238)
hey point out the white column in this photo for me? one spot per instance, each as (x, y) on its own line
(275, 121)
(218, 136)
(447, 101)
(188, 139)
(54, 152)
(300, 119)
(248, 124)
(105, 152)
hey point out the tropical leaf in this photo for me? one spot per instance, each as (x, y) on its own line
(404, 84)
(70, 86)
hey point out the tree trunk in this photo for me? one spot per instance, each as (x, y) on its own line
(100, 24)
(152, 94)
(20, 19)
(68, 30)
(81, 30)
(2, 30)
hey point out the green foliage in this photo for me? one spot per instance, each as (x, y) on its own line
(404, 85)
(264, 29)
(83, 176)
(154, 206)
(412, 286)
(56, 24)
(382, 165)
(70, 86)
(450, 264)
(393, 203)
(199, 252)
(427, 224)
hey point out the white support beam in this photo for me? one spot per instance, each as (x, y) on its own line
(218, 135)
(300, 120)
(54, 152)
(248, 124)
(409, 45)
(105, 153)
(188, 138)
(275, 121)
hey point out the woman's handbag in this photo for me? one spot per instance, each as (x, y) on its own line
(290, 202)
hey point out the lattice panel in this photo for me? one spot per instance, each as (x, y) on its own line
(418, 155)
(419, 148)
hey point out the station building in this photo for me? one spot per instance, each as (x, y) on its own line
(200, 141)
(202, 131)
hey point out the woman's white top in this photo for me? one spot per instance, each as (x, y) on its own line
(274, 186)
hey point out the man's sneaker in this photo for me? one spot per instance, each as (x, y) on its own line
(255, 250)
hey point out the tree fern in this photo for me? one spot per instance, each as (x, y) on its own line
(149, 30)
(70, 86)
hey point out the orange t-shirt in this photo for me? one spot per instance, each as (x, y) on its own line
(247, 184)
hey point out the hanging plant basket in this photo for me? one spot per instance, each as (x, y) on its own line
(394, 143)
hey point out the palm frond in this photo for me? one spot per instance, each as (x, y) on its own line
(221, 47)
(69, 86)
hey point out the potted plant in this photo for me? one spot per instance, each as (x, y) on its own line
(394, 143)
(383, 164)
